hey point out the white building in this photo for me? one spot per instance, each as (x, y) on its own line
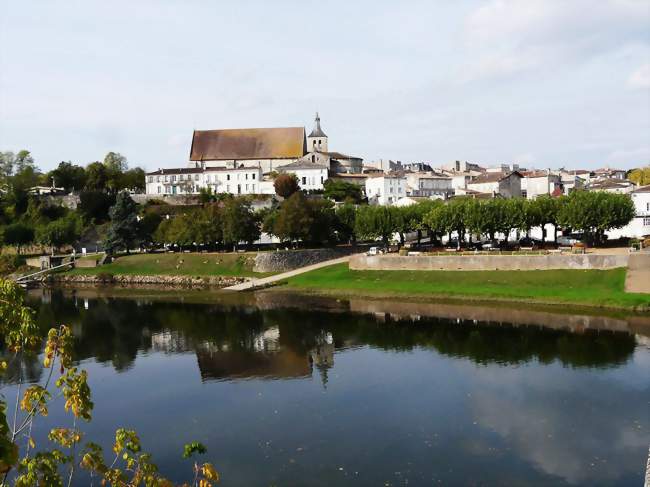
(536, 183)
(310, 176)
(429, 184)
(385, 189)
(507, 185)
(640, 226)
(622, 186)
(190, 180)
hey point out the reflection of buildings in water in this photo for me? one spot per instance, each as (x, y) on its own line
(260, 356)
(642, 340)
(170, 342)
(267, 341)
(264, 357)
(243, 364)
(323, 358)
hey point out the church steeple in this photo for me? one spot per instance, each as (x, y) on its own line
(317, 140)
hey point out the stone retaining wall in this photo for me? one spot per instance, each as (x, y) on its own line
(287, 260)
(488, 262)
(182, 281)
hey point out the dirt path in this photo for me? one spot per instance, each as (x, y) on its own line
(265, 281)
(638, 273)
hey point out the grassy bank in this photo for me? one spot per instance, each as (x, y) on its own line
(190, 264)
(576, 287)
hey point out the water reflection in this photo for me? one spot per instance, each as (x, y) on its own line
(249, 341)
(363, 393)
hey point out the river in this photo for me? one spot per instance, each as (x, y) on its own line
(293, 390)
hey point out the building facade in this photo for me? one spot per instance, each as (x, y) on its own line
(385, 189)
(639, 227)
(507, 185)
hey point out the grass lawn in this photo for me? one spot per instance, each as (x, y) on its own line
(178, 264)
(578, 287)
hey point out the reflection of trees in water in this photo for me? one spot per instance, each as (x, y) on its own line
(22, 368)
(115, 330)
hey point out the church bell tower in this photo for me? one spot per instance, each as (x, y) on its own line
(317, 140)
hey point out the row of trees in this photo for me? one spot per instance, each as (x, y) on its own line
(590, 213)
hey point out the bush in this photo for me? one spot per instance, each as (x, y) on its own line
(9, 263)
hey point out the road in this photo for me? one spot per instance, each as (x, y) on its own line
(265, 281)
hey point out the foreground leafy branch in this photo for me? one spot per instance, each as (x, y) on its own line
(57, 466)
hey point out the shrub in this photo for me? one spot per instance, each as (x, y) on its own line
(9, 263)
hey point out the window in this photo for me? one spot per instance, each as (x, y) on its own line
(196, 177)
(647, 207)
(150, 179)
(253, 178)
(159, 189)
(173, 178)
(228, 188)
(313, 158)
(253, 187)
(304, 180)
(246, 175)
(321, 179)
(166, 179)
(646, 221)
(319, 143)
(227, 177)
(207, 178)
(247, 186)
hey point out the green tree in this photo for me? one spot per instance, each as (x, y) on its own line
(115, 162)
(123, 230)
(285, 185)
(24, 160)
(133, 180)
(422, 209)
(238, 222)
(17, 234)
(595, 212)
(547, 208)
(294, 219)
(342, 191)
(95, 205)
(64, 231)
(640, 176)
(148, 226)
(346, 215)
(375, 222)
(96, 177)
(68, 176)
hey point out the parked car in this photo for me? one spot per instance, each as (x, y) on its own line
(376, 251)
(567, 240)
(529, 242)
(491, 245)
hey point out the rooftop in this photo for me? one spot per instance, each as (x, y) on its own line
(493, 177)
(302, 165)
(238, 144)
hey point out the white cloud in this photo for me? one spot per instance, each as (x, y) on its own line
(506, 37)
(640, 78)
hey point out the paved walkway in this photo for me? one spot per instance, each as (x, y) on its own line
(265, 281)
(638, 273)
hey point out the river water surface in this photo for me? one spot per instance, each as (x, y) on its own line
(286, 390)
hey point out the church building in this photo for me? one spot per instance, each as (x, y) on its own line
(215, 154)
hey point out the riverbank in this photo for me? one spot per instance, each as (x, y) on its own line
(176, 264)
(582, 288)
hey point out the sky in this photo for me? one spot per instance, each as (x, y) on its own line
(541, 83)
